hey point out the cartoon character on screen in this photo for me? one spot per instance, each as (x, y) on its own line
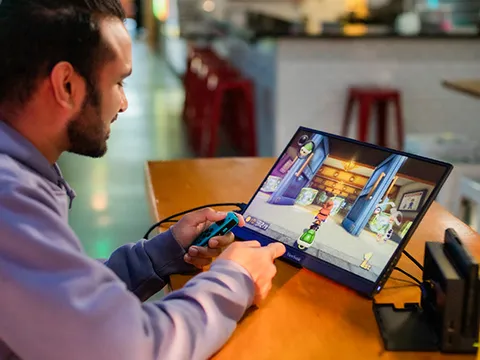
(306, 152)
(366, 261)
(308, 237)
(325, 211)
(395, 217)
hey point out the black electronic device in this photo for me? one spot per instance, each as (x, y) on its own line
(468, 267)
(344, 209)
(447, 317)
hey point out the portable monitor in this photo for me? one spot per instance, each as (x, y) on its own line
(343, 208)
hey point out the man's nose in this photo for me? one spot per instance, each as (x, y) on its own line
(123, 104)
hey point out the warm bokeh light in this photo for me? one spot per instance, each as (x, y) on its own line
(208, 5)
(358, 7)
(99, 202)
(160, 9)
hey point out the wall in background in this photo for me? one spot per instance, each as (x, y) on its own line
(313, 77)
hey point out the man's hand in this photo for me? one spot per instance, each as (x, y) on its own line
(192, 225)
(258, 261)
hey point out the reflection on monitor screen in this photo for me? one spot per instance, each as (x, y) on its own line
(345, 203)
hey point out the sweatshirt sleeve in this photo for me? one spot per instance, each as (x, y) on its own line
(145, 266)
(57, 303)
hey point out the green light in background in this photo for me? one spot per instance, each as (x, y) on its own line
(102, 248)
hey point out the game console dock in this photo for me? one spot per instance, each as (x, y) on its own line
(447, 317)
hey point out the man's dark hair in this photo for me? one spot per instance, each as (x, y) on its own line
(35, 35)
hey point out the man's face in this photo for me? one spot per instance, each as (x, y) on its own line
(89, 130)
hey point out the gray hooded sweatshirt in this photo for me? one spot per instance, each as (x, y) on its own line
(57, 303)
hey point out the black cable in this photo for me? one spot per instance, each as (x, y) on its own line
(171, 218)
(409, 275)
(413, 259)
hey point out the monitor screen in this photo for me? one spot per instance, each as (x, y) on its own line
(347, 203)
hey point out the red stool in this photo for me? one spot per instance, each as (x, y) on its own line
(197, 59)
(198, 62)
(204, 104)
(368, 97)
(216, 95)
(240, 119)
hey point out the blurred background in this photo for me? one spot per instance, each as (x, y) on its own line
(217, 78)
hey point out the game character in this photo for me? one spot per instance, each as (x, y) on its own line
(315, 226)
(307, 239)
(325, 211)
(306, 150)
(394, 218)
(365, 263)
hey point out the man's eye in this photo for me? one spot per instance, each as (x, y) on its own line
(121, 83)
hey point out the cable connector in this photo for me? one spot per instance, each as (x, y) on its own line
(242, 206)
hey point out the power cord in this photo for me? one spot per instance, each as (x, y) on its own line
(169, 219)
(413, 259)
(408, 274)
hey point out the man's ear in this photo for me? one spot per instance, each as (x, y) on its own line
(68, 86)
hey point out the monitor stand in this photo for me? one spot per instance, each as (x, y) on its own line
(405, 329)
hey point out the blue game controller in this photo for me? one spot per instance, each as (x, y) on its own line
(219, 228)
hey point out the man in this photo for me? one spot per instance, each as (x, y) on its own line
(61, 73)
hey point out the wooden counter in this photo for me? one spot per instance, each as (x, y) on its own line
(305, 316)
(470, 87)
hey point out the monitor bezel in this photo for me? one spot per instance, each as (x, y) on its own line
(353, 281)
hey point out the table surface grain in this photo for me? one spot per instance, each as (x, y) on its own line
(306, 316)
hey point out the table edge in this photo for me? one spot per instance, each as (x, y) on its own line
(450, 84)
(150, 192)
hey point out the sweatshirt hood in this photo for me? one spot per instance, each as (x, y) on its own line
(16, 146)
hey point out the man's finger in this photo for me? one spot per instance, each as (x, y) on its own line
(202, 252)
(201, 216)
(221, 241)
(198, 262)
(251, 243)
(276, 249)
(241, 220)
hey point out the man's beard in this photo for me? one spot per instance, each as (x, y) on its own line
(86, 131)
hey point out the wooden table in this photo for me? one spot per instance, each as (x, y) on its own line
(470, 87)
(306, 315)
